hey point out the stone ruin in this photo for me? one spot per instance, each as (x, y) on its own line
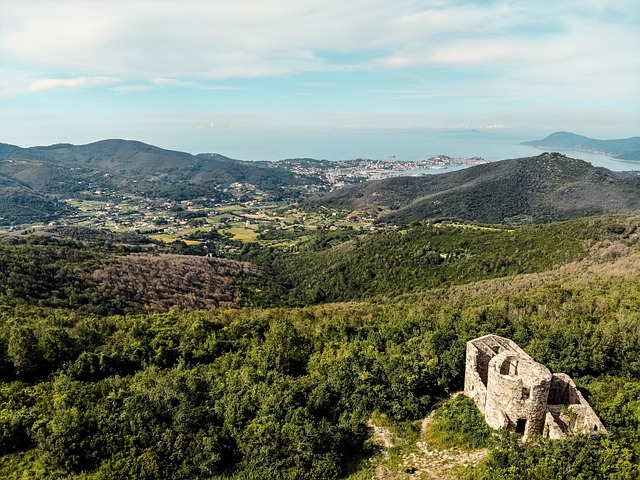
(515, 392)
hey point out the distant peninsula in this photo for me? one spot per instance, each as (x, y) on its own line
(621, 149)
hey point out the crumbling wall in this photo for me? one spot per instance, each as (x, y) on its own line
(517, 393)
(475, 377)
(552, 428)
(479, 353)
(514, 391)
(583, 418)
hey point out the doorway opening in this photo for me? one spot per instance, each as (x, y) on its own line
(521, 425)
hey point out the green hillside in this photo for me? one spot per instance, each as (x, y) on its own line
(543, 188)
(291, 392)
(39, 178)
(394, 262)
(20, 203)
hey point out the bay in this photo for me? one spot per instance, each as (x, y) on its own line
(410, 145)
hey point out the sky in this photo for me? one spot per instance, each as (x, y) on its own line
(223, 75)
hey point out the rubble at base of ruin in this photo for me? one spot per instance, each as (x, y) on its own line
(513, 391)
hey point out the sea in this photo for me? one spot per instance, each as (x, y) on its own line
(401, 145)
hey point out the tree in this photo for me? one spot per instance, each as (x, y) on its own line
(23, 352)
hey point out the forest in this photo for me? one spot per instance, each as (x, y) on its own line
(285, 380)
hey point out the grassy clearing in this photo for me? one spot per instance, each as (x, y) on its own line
(163, 237)
(232, 208)
(475, 227)
(242, 234)
(86, 204)
(457, 423)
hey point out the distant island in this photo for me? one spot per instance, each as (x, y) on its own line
(621, 149)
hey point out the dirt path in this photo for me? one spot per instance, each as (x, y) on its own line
(382, 436)
(424, 462)
(439, 464)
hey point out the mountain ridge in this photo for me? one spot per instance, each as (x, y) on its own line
(41, 178)
(547, 187)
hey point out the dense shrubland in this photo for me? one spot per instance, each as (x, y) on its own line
(95, 275)
(287, 392)
(393, 262)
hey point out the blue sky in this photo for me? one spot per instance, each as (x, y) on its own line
(190, 74)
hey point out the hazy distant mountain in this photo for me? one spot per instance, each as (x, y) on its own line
(115, 161)
(34, 181)
(546, 187)
(623, 149)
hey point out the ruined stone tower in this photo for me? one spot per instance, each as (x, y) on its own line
(514, 391)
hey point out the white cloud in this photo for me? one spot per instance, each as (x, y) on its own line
(132, 88)
(141, 40)
(166, 82)
(163, 39)
(218, 38)
(501, 51)
(80, 82)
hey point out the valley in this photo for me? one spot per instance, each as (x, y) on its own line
(242, 201)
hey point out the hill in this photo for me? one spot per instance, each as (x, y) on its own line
(547, 187)
(243, 393)
(622, 149)
(40, 177)
(21, 204)
(102, 272)
(393, 262)
(129, 160)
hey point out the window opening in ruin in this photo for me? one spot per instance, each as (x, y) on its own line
(504, 368)
(526, 393)
(595, 428)
(509, 368)
(482, 366)
(521, 425)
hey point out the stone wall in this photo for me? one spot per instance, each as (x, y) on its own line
(479, 353)
(517, 393)
(514, 391)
